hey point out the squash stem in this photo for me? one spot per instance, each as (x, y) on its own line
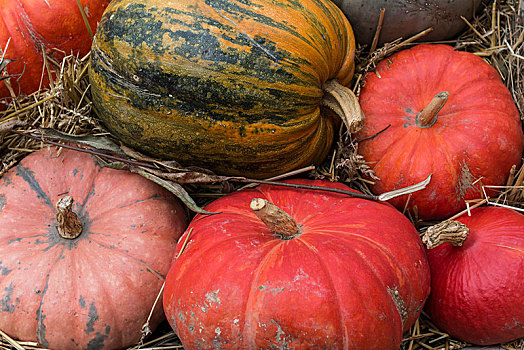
(344, 103)
(428, 116)
(449, 231)
(276, 219)
(69, 226)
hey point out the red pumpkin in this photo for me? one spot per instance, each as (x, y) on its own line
(476, 135)
(94, 291)
(477, 289)
(55, 27)
(355, 276)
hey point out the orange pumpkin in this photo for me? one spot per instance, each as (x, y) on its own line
(35, 27)
(324, 271)
(434, 110)
(83, 275)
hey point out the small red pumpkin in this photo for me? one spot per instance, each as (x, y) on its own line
(477, 289)
(337, 272)
(94, 291)
(53, 26)
(477, 133)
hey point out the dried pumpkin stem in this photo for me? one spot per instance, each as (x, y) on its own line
(428, 116)
(69, 225)
(344, 103)
(453, 232)
(278, 221)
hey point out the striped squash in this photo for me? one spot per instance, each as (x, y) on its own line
(233, 86)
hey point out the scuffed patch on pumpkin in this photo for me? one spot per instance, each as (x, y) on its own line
(3, 201)
(399, 303)
(98, 341)
(6, 304)
(4, 270)
(274, 290)
(283, 340)
(92, 318)
(217, 341)
(40, 317)
(212, 297)
(465, 181)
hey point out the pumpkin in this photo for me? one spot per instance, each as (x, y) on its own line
(33, 28)
(434, 110)
(407, 18)
(311, 269)
(84, 275)
(477, 284)
(232, 86)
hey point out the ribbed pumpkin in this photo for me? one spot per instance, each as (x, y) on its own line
(83, 275)
(477, 289)
(234, 86)
(55, 27)
(334, 272)
(434, 110)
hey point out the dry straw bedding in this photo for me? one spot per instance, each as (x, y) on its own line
(56, 114)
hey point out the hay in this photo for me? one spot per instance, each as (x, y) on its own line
(64, 110)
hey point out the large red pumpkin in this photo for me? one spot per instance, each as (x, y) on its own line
(356, 276)
(477, 289)
(55, 27)
(94, 291)
(476, 135)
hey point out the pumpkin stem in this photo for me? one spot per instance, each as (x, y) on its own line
(453, 232)
(69, 225)
(278, 221)
(428, 116)
(344, 103)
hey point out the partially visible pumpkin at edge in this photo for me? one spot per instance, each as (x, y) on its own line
(82, 274)
(477, 276)
(30, 30)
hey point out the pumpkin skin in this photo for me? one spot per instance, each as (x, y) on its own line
(477, 134)
(407, 18)
(94, 291)
(331, 287)
(56, 26)
(232, 86)
(477, 289)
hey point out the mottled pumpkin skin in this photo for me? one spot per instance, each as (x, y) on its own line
(96, 291)
(238, 286)
(55, 27)
(233, 86)
(477, 135)
(477, 290)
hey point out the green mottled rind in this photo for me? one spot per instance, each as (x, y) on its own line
(233, 86)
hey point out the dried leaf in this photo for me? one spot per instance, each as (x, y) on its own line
(174, 188)
(117, 165)
(169, 164)
(98, 142)
(406, 190)
(193, 177)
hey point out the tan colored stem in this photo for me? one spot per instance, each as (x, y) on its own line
(278, 221)
(453, 232)
(428, 116)
(344, 103)
(69, 225)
